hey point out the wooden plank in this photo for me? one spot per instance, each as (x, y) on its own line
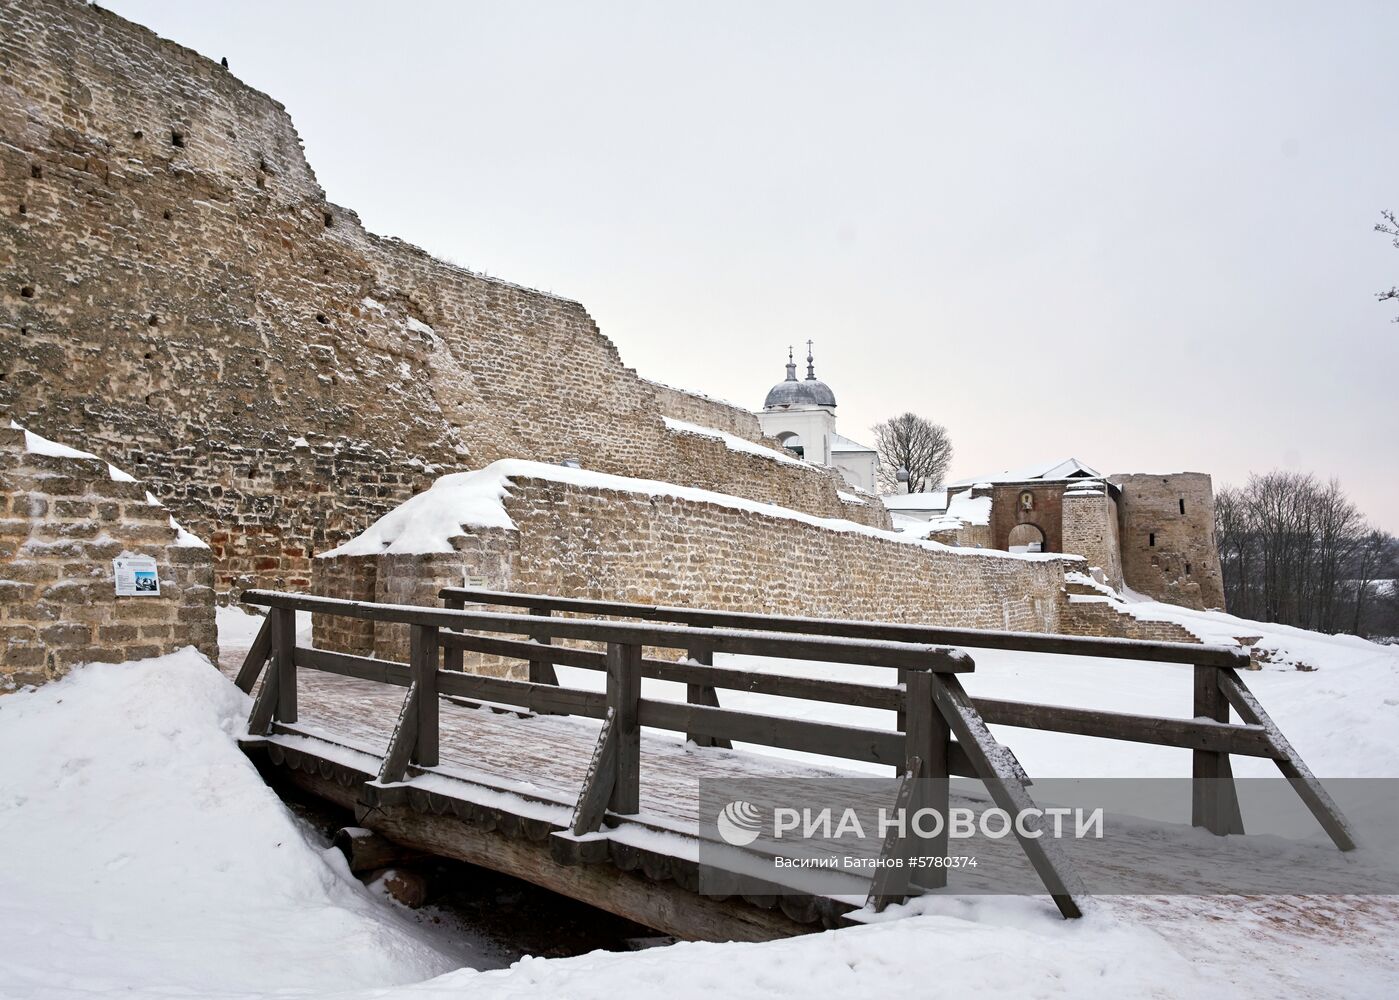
(1289, 762)
(1046, 856)
(926, 741)
(1032, 642)
(265, 704)
(877, 653)
(258, 654)
(623, 697)
(828, 738)
(542, 699)
(282, 639)
(1214, 802)
(1187, 733)
(365, 668)
(892, 877)
(598, 783)
(780, 685)
(405, 735)
(423, 658)
(542, 671)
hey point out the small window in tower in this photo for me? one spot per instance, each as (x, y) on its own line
(1187, 569)
(1182, 505)
(1151, 539)
(177, 139)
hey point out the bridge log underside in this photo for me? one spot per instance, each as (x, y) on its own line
(646, 894)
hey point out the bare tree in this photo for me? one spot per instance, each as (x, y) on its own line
(915, 443)
(1296, 550)
(1389, 225)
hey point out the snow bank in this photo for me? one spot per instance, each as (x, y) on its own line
(430, 520)
(142, 852)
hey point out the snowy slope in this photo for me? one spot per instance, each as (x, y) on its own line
(145, 858)
(141, 850)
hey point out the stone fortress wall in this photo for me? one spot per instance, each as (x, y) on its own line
(625, 545)
(62, 522)
(1090, 529)
(1168, 544)
(177, 295)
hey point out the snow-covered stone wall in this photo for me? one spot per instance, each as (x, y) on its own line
(64, 516)
(177, 293)
(579, 534)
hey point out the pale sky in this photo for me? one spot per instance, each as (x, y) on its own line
(1135, 234)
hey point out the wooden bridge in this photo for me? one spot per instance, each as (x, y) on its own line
(559, 785)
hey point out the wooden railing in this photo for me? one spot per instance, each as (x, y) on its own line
(941, 734)
(1210, 734)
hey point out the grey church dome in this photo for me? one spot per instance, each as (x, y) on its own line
(810, 391)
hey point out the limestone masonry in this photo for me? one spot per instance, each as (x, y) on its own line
(62, 522)
(617, 542)
(179, 296)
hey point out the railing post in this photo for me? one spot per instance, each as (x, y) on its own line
(454, 658)
(623, 697)
(926, 738)
(703, 694)
(1214, 803)
(542, 671)
(423, 657)
(284, 650)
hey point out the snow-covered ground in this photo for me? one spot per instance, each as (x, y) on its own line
(142, 856)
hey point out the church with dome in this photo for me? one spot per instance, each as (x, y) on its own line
(801, 414)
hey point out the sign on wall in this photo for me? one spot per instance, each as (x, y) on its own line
(136, 576)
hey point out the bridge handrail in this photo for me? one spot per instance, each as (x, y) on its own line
(830, 649)
(1030, 642)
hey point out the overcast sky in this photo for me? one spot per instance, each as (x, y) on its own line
(1135, 234)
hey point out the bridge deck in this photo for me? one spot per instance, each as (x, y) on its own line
(544, 759)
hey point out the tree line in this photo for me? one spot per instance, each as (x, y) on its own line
(1297, 551)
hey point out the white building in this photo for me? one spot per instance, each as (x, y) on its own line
(802, 415)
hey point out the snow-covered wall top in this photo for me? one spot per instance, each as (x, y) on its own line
(429, 522)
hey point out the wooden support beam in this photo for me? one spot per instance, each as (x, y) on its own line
(1289, 762)
(405, 736)
(257, 656)
(892, 877)
(367, 851)
(282, 638)
(1047, 857)
(623, 700)
(598, 782)
(927, 738)
(423, 657)
(1214, 802)
(265, 704)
